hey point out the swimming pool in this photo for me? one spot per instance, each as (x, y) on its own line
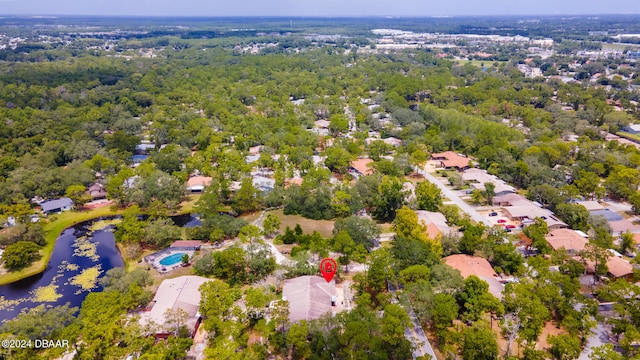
(172, 259)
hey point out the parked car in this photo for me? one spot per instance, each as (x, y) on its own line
(493, 214)
(501, 221)
(508, 230)
(510, 226)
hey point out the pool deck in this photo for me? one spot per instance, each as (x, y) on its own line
(154, 259)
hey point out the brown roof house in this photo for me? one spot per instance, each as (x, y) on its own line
(452, 160)
(619, 268)
(362, 167)
(435, 223)
(97, 191)
(309, 297)
(472, 265)
(568, 239)
(196, 184)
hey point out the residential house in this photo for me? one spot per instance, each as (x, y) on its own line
(619, 268)
(591, 205)
(56, 206)
(362, 167)
(623, 226)
(293, 181)
(309, 297)
(178, 293)
(452, 160)
(568, 239)
(473, 265)
(632, 129)
(395, 142)
(263, 183)
(97, 191)
(196, 184)
(479, 177)
(509, 199)
(435, 223)
(528, 212)
(187, 244)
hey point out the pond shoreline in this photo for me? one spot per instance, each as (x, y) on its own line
(54, 229)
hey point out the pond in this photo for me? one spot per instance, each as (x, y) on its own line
(79, 258)
(82, 254)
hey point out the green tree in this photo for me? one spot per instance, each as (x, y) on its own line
(536, 232)
(445, 310)
(479, 343)
(429, 196)
(246, 198)
(297, 340)
(160, 232)
(344, 244)
(564, 347)
(271, 225)
(575, 215)
(361, 229)
(390, 198)
(394, 322)
(337, 159)
(622, 182)
(131, 229)
(20, 254)
(78, 194)
(489, 191)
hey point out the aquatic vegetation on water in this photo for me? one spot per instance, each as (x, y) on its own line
(102, 224)
(46, 294)
(67, 266)
(84, 247)
(87, 279)
(9, 304)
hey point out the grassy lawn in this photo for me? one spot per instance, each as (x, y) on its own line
(55, 226)
(629, 136)
(324, 227)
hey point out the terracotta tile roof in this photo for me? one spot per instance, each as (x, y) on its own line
(451, 159)
(566, 238)
(618, 267)
(362, 166)
(293, 181)
(198, 181)
(480, 267)
(432, 231)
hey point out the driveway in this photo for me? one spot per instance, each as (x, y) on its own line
(599, 337)
(455, 198)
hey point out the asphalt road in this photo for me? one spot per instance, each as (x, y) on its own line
(468, 209)
(417, 336)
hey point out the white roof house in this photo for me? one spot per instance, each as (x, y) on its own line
(309, 297)
(177, 293)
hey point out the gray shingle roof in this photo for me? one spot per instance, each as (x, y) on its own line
(56, 204)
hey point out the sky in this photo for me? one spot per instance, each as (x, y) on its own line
(317, 7)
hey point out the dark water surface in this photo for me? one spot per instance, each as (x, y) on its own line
(63, 266)
(73, 253)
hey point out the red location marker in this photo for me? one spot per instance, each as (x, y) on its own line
(328, 268)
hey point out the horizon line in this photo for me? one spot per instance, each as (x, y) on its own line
(49, 16)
